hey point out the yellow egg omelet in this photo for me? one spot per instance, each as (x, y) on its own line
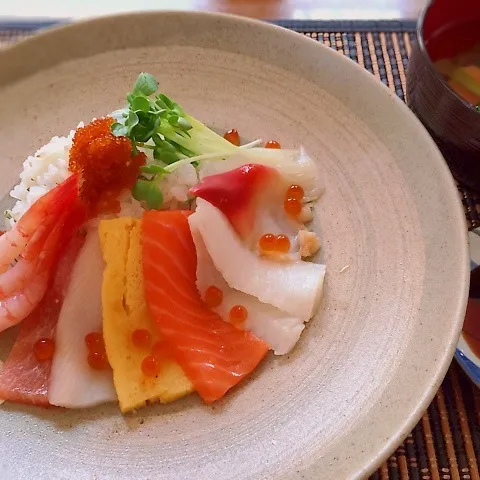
(125, 310)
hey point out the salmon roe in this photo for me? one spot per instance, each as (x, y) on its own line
(295, 191)
(267, 242)
(151, 366)
(274, 243)
(213, 296)
(233, 137)
(293, 200)
(97, 355)
(292, 206)
(44, 349)
(98, 360)
(94, 342)
(282, 244)
(238, 314)
(272, 144)
(141, 338)
(105, 164)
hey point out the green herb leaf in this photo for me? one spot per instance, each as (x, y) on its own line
(149, 193)
(119, 130)
(145, 84)
(166, 101)
(140, 103)
(153, 169)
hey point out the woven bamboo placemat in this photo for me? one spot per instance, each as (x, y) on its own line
(445, 445)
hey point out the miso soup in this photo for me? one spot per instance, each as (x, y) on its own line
(462, 73)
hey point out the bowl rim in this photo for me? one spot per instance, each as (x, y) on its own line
(404, 427)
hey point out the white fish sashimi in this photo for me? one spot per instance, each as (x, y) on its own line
(294, 165)
(278, 329)
(73, 383)
(294, 287)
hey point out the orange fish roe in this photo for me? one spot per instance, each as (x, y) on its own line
(267, 242)
(105, 165)
(98, 360)
(292, 206)
(94, 341)
(272, 144)
(44, 349)
(238, 314)
(151, 366)
(97, 355)
(233, 137)
(213, 296)
(271, 243)
(282, 244)
(295, 191)
(141, 338)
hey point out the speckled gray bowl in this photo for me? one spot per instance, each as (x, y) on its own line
(370, 362)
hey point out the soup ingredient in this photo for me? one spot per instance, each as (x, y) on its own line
(73, 381)
(125, 311)
(24, 379)
(462, 73)
(215, 355)
(38, 259)
(294, 287)
(278, 329)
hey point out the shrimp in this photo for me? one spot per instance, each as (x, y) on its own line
(44, 211)
(23, 286)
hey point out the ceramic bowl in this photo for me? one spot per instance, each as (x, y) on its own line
(373, 357)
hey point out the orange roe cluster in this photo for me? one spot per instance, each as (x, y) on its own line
(105, 164)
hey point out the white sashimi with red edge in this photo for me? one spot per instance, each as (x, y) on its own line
(252, 197)
(295, 167)
(24, 379)
(278, 329)
(294, 287)
(73, 383)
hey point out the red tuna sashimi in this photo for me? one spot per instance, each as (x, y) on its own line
(214, 354)
(238, 193)
(23, 379)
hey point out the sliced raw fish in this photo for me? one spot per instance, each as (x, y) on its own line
(278, 329)
(214, 354)
(295, 166)
(23, 378)
(73, 383)
(252, 198)
(294, 287)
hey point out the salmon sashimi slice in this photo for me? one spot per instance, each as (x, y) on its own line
(23, 378)
(214, 354)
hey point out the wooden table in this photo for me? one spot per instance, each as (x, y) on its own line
(266, 9)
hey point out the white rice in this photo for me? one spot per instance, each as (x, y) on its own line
(49, 167)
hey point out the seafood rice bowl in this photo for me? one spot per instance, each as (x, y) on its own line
(192, 248)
